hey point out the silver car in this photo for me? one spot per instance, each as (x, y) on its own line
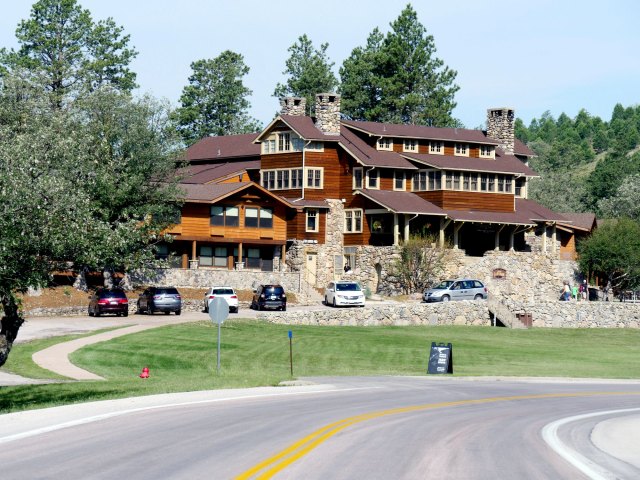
(160, 299)
(463, 289)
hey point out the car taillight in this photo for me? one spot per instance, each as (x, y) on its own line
(124, 301)
(233, 296)
(178, 297)
(485, 290)
(103, 301)
(157, 297)
(212, 296)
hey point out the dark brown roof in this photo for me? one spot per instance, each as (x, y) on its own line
(369, 156)
(536, 212)
(310, 203)
(501, 164)
(228, 146)
(478, 216)
(210, 172)
(521, 149)
(402, 202)
(581, 221)
(417, 131)
(302, 125)
(214, 192)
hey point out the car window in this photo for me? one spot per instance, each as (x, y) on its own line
(222, 291)
(168, 291)
(478, 284)
(274, 290)
(347, 287)
(112, 294)
(455, 286)
(444, 285)
(468, 284)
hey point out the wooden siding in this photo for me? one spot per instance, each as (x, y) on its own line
(281, 160)
(330, 164)
(296, 227)
(243, 177)
(457, 200)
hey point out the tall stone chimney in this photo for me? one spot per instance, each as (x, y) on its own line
(501, 126)
(293, 106)
(328, 113)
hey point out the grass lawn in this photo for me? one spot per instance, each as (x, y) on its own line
(183, 357)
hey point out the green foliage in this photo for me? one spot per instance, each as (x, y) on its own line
(397, 78)
(420, 263)
(625, 202)
(309, 72)
(214, 102)
(182, 357)
(613, 252)
(62, 48)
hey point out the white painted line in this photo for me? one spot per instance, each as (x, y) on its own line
(586, 466)
(103, 416)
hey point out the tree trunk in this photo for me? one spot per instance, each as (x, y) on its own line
(9, 326)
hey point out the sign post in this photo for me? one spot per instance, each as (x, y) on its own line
(218, 312)
(440, 358)
(291, 351)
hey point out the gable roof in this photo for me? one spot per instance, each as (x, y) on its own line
(581, 221)
(369, 156)
(477, 216)
(501, 164)
(401, 202)
(539, 213)
(217, 192)
(210, 172)
(228, 146)
(303, 126)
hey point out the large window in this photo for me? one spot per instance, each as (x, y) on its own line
(452, 181)
(258, 217)
(372, 179)
(282, 179)
(487, 151)
(282, 142)
(462, 149)
(398, 180)
(436, 147)
(312, 220)
(224, 216)
(427, 180)
(353, 221)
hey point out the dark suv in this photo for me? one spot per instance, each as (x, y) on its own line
(108, 300)
(269, 296)
(160, 299)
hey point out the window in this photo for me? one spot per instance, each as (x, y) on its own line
(378, 225)
(474, 182)
(507, 184)
(501, 183)
(284, 142)
(223, 216)
(452, 180)
(357, 177)
(492, 180)
(427, 180)
(372, 179)
(456, 180)
(298, 143)
(266, 217)
(312, 220)
(282, 179)
(314, 177)
(436, 147)
(521, 187)
(353, 221)
(483, 182)
(466, 181)
(255, 217)
(410, 145)
(220, 257)
(398, 180)
(205, 257)
(462, 150)
(316, 146)
(385, 144)
(487, 151)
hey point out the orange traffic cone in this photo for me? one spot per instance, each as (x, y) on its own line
(145, 373)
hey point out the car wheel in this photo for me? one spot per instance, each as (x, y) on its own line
(326, 301)
(259, 307)
(178, 312)
(90, 312)
(167, 313)
(334, 302)
(478, 297)
(235, 310)
(284, 309)
(97, 313)
(206, 309)
(125, 314)
(445, 298)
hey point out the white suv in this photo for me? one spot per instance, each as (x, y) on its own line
(344, 292)
(228, 293)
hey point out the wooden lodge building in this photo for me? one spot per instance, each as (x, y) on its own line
(331, 183)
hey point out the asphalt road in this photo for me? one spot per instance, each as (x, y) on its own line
(341, 428)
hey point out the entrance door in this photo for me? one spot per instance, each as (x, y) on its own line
(312, 267)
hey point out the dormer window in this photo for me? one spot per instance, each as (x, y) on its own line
(461, 150)
(436, 147)
(410, 145)
(487, 151)
(284, 142)
(279, 142)
(385, 144)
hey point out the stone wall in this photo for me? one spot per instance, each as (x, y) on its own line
(501, 126)
(205, 278)
(328, 113)
(450, 313)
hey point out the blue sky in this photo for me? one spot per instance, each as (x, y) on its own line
(556, 55)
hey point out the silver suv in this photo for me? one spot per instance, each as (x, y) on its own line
(464, 289)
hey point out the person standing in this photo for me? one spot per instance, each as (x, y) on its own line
(565, 294)
(584, 290)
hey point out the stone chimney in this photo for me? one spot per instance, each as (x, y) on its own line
(293, 106)
(328, 113)
(501, 126)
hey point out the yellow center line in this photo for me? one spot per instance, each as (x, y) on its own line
(278, 462)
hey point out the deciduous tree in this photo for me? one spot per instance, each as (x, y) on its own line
(420, 263)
